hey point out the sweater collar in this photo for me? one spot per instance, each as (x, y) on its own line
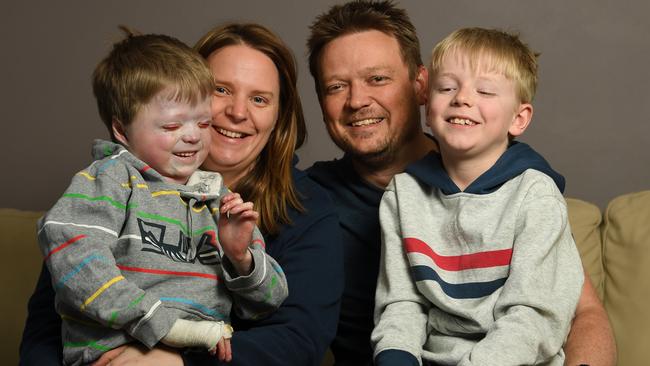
(514, 161)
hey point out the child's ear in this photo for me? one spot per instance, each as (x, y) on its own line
(523, 116)
(119, 132)
(421, 84)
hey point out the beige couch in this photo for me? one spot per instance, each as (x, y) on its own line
(615, 248)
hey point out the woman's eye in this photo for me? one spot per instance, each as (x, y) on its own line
(221, 90)
(258, 100)
(205, 124)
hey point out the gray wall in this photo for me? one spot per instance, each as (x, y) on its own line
(592, 111)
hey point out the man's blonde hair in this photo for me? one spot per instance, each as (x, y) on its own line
(361, 16)
(140, 66)
(496, 50)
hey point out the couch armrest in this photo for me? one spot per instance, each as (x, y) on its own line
(585, 219)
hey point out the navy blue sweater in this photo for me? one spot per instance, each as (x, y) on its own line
(309, 252)
(357, 202)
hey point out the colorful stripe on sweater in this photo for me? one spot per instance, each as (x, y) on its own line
(457, 263)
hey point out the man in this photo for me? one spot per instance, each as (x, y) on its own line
(370, 80)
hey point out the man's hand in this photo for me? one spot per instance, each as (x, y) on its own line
(236, 223)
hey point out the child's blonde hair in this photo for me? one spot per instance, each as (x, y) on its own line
(496, 50)
(139, 67)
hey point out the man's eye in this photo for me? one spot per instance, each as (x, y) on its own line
(378, 79)
(333, 88)
(205, 124)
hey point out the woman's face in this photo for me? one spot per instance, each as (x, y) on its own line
(245, 107)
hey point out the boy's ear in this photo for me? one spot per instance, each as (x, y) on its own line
(421, 84)
(521, 120)
(119, 132)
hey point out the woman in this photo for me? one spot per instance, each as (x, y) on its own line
(258, 124)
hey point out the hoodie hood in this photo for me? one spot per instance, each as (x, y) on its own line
(103, 149)
(515, 160)
(201, 185)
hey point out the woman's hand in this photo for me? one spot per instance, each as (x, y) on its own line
(236, 223)
(135, 354)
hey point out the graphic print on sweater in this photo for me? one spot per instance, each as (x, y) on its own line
(153, 240)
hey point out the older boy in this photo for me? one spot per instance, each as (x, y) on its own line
(478, 263)
(132, 245)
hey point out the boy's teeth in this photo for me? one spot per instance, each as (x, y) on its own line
(462, 121)
(232, 134)
(365, 122)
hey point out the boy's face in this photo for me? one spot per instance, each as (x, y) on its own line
(471, 111)
(171, 137)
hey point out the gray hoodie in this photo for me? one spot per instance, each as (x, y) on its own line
(130, 253)
(487, 276)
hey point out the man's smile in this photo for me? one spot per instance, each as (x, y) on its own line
(365, 122)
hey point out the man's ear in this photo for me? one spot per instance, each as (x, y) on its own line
(119, 132)
(521, 120)
(421, 84)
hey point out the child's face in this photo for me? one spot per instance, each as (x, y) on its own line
(472, 111)
(172, 137)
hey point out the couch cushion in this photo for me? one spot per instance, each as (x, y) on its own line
(585, 219)
(626, 249)
(19, 271)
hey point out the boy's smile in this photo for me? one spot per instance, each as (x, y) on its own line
(462, 121)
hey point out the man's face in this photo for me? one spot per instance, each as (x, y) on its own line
(370, 104)
(171, 137)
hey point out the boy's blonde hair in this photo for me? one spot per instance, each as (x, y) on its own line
(497, 51)
(139, 67)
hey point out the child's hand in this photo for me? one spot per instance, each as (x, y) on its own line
(236, 223)
(222, 350)
(211, 335)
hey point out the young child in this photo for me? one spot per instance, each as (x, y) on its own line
(478, 263)
(133, 245)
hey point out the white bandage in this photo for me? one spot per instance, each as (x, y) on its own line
(197, 333)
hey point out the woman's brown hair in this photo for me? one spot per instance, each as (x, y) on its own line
(269, 185)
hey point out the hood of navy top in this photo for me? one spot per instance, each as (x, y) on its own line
(514, 161)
